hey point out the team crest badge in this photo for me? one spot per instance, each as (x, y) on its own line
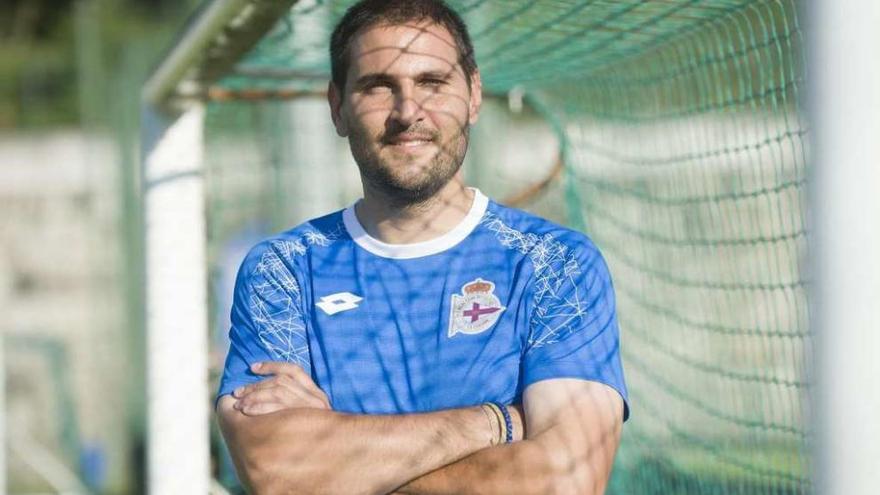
(476, 309)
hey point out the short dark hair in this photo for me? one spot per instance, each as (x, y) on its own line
(369, 13)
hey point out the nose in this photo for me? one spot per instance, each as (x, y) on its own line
(407, 109)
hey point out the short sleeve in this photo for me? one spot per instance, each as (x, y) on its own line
(573, 330)
(267, 318)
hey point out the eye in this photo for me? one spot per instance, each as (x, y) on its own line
(377, 87)
(433, 84)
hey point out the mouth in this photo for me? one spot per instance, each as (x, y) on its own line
(404, 141)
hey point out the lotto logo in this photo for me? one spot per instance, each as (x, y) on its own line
(336, 303)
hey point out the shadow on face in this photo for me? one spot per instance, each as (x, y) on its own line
(406, 109)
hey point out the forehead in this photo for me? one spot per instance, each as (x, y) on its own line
(403, 49)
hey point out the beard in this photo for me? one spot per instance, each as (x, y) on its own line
(402, 181)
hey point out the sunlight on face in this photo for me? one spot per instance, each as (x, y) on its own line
(406, 109)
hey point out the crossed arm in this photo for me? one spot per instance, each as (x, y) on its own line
(284, 439)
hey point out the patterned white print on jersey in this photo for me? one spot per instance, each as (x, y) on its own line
(559, 300)
(276, 303)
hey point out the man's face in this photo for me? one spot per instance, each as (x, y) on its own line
(406, 109)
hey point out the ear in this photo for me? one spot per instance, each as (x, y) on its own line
(476, 99)
(334, 98)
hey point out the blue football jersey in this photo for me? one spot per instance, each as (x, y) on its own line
(502, 301)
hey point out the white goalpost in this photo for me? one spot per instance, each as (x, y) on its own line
(845, 70)
(174, 195)
(177, 322)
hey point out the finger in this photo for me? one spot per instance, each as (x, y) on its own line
(262, 384)
(286, 398)
(300, 398)
(319, 404)
(300, 381)
(281, 386)
(264, 395)
(242, 391)
(305, 380)
(275, 368)
(312, 393)
(325, 401)
(294, 371)
(261, 408)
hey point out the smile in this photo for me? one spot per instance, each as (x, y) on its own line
(411, 143)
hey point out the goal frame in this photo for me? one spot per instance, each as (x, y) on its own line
(173, 186)
(844, 103)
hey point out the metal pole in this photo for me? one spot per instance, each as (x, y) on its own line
(845, 72)
(216, 37)
(177, 321)
(190, 47)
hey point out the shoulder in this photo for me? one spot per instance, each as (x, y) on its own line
(546, 243)
(280, 251)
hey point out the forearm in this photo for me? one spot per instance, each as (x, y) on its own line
(318, 451)
(533, 466)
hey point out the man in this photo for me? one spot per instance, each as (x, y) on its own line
(425, 340)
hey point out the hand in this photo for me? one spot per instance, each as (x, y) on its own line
(290, 387)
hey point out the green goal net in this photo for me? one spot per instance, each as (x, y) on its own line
(670, 131)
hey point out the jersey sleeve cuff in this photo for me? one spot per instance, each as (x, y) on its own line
(575, 370)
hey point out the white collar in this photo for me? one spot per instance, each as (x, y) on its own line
(417, 249)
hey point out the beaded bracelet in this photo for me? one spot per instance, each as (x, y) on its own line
(508, 423)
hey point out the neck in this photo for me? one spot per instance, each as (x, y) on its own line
(417, 222)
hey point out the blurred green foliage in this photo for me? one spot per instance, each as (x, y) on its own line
(58, 58)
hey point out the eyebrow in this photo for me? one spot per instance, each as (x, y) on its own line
(382, 77)
(375, 78)
(435, 74)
